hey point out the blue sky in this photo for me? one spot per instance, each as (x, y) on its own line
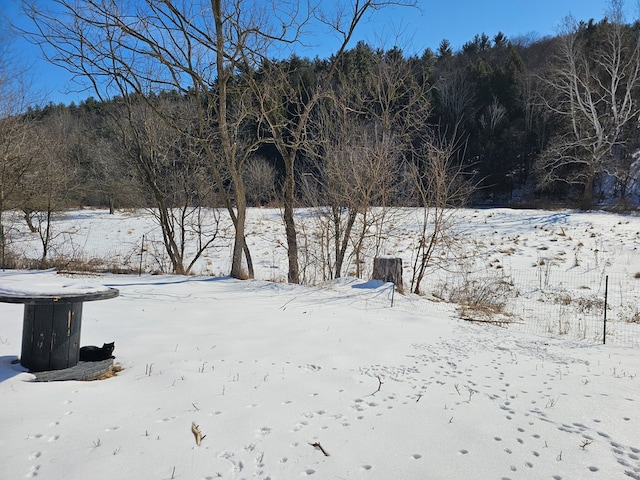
(415, 29)
(412, 29)
(459, 20)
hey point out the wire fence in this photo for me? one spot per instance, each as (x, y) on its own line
(597, 307)
(590, 306)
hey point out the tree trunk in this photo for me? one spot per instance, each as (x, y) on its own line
(587, 194)
(240, 247)
(342, 244)
(229, 148)
(28, 217)
(289, 222)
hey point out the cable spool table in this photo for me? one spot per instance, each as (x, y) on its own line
(52, 322)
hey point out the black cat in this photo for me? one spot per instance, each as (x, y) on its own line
(92, 353)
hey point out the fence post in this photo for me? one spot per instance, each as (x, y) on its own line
(141, 253)
(2, 244)
(606, 295)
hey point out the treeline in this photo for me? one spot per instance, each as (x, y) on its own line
(493, 99)
(192, 110)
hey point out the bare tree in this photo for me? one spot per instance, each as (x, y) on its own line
(16, 156)
(201, 50)
(356, 173)
(288, 124)
(398, 104)
(168, 164)
(493, 116)
(260, 179)
(123, 48)
(109, 177)
(439, 183)
(593, 87)
(17, 149)
(365, 129)
(455, 93)
(49, 183)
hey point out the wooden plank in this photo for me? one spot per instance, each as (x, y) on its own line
(27, 336)
(65, 336)
(83, 371)
(38, 328)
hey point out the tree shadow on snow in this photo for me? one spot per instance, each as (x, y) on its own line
(371, 284)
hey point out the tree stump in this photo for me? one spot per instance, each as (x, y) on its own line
(388, 269)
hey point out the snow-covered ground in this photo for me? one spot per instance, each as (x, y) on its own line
(543, 271)
(334, 381)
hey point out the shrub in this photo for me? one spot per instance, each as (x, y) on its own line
(629, 313)
(483, 297)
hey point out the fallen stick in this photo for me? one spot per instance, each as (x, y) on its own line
(319, 447)
(499, 323)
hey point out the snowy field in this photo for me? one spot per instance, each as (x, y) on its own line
(333, 381)
(543, 272)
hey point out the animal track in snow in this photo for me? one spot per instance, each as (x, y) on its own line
(237, 465)
(309, 368)
(33, 472)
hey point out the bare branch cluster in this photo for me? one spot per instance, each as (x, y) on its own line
(593, 88)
